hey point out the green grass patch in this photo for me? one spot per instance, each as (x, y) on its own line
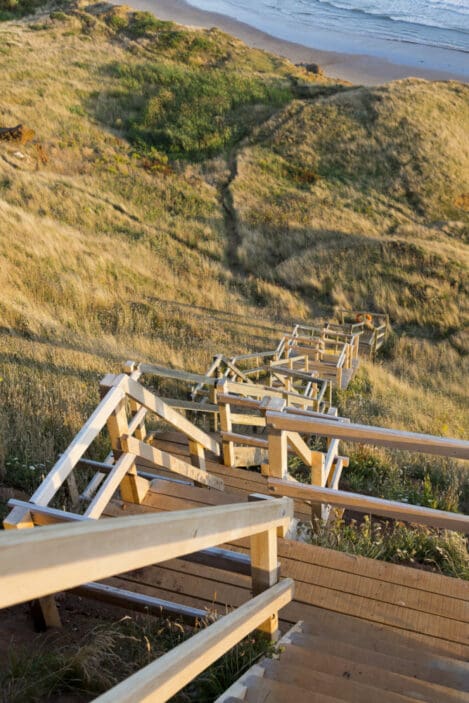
(441, 551)
(187, 111)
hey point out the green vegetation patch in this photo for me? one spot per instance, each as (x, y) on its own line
(187, 111)
(442, 551)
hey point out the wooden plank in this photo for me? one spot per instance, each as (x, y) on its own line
(167, 675)
(237, 481)
(250, 420)
(278, 454)
(419, 664)
(124, 464)
(43, 515)
(426, 581)
(363, 634)
(177, 374)
(170, 462)
(249, 440)
(347, 688)
(437, 606)
(78, 445)
(139, 602)
(212, 594)
(161, 490)
(375, 506)
(223, 559)
(34, 563)
(403, 604)
(265, 571)
(410, 441)
(165, 412)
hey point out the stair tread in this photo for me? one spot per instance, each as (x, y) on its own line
(262, 690)
(343, 688)
(423, 665)
(351, 628)
(364, 672)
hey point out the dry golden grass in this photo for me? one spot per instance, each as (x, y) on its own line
(112, 252)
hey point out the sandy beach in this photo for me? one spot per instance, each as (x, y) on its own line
(363, 69)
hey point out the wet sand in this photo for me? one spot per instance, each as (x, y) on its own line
(362, 69)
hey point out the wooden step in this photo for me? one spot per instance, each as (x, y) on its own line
(294, 656)
(418, 663)
(261, 690)
(364, 634)
(343, 688)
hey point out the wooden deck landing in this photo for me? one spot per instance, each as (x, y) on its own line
(421, 606)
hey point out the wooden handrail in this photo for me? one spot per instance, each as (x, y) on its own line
(368, 504)
(166, 676)
(38, 562)
(367, 434)
(177, 374)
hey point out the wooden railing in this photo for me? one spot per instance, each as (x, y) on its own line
(37, 563)
(122, 394)
(324, 489)
(373, 333)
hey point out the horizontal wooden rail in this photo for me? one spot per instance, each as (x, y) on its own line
(140, 602)
(177, 375)
(252, 403)
(43, 515)
(214, 557)
(245, 439)
(254, 355)
(367, 434)
(35, 563)
(368, 504)
(166, 676)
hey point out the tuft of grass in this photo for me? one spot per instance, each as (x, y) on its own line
(441, 551)
(106, 654)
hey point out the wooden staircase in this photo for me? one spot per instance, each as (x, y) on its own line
(339, 658)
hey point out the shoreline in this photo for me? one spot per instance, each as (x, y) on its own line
(363, 69)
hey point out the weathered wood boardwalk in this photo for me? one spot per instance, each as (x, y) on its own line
(419, 605)
(189, 532)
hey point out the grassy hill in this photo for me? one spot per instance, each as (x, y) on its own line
(186, 195)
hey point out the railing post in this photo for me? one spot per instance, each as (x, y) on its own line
(133, 488)
(226, 425)
(44, 611)
(197, 454)
(278, 453)
(265, 571)
(131, 369)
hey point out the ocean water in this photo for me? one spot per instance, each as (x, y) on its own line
(387, 28)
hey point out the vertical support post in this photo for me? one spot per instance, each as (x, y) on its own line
(318, 469)
(278, 453)
(318, 478)
(43, 610)
(197, 454)
(265, 572)
(133, 488)
(226, 425)
(213, 393)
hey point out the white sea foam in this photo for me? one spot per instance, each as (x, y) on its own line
(382, 26)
